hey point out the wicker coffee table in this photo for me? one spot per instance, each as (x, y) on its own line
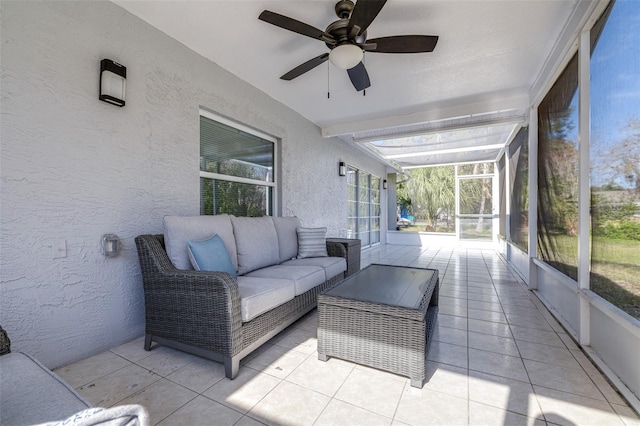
(383, 317)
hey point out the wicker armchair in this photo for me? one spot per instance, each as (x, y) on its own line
(199, 312)
(5, 343)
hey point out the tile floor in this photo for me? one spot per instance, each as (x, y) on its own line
(498, 358)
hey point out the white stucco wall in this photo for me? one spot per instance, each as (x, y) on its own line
(74, 168)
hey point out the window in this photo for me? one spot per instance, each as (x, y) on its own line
(615, 156)
(236, 168)
(363, 200)
(558, 173)
(519, 187)
(475, 187)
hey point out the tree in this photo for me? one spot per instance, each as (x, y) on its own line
(431, 190)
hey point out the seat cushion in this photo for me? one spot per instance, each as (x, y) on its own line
(259, 295)
(287, 236)
(179, 229)
(332, 265)
(210, 255)
(256, 242)
(303, 277)
(30, 393)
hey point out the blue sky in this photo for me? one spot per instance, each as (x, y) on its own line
(615, 75)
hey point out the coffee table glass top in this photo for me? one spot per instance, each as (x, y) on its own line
(384, 284)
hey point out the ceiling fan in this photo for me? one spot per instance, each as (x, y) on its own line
(347, 39)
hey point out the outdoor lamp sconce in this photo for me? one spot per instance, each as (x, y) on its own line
(113, 77)
(384, 184)
(110, 245)
(342, 169)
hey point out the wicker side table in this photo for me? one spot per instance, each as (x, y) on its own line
(353, 247)
(383, 317)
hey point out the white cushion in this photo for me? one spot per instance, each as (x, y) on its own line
(256, 242)
(304, 277)
(312, 242)
(259, 295)
(179, 229)
(332, 265)
(287, 236)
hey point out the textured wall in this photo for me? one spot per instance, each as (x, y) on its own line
(74, 168)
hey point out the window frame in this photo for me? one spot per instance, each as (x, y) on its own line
(273, 184)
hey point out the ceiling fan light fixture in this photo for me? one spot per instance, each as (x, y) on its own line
(346, 56)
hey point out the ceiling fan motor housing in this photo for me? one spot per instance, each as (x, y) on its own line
(344, 9)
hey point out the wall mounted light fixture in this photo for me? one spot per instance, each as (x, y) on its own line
(110, 245)
(113, 77)
(384, 184)
(342, 169)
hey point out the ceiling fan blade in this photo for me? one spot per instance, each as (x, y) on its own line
(295, 26)
(364, 12)
(307, 66)
(359, 77)
(404, 44)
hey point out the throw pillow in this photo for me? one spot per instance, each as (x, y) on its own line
(211, 255)
(312, 242)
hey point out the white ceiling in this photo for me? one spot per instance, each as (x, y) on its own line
(488, 56)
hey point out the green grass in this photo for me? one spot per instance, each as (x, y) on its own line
(615, 269)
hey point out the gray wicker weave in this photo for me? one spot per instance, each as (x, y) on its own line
(353, 247)
(199, 312)
(5, 343)
(388, 327)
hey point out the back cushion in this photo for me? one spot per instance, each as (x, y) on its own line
(179, 229)
(256, 241)
(287, 236)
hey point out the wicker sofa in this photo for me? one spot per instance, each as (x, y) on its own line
(213, 314)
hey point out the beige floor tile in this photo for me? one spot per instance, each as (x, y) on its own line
(160, 399)
(487, 316)
(536, 336)
(382, 374)
(323, 377)
(483, 415)
(242, 393)
(114, 387)
(339, 413)
(458, 311)
(447, 379)
(164, 360)
(90, 369)
(484, 306)
(503, 393)
(628, 416)
(372, 392)
(568, 342)
(298, 339)
(248, 421)
(426, 407)
(445, 353)
(202, 411)
(198, 375)
(497, 364)
(545, 353)
(562, 379)
(450, 335)
(290, 404)
(277, 361)
(452, 321)
(563, 408)
(133, 350)
(498, 344)
(488, 327)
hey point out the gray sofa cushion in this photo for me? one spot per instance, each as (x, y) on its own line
(256, 242)
(304, 277)
(259, 295)
(287, 236)
(179, 229)
(331, 265)
(30, 393)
